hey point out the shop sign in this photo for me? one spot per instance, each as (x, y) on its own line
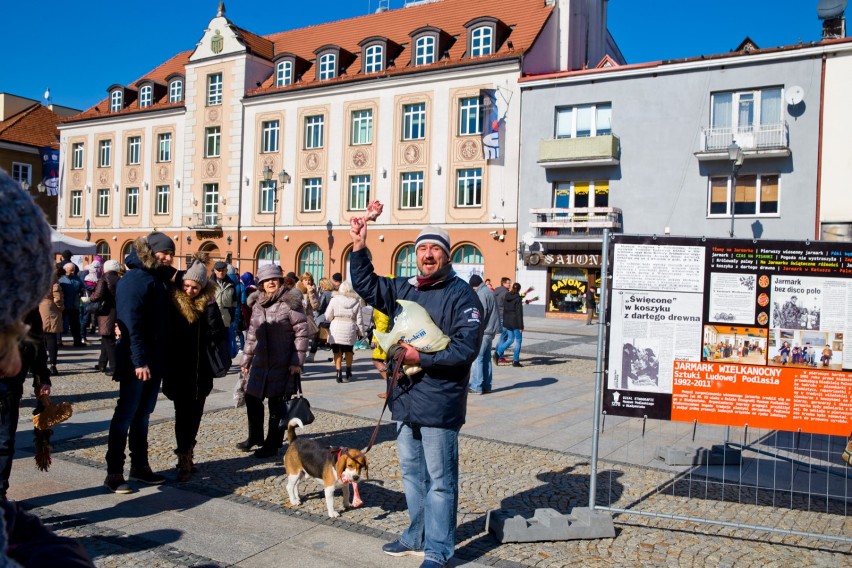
(547, 259)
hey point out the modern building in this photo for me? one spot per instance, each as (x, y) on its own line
(256, 147)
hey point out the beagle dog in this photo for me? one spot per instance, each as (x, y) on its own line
(335, 467)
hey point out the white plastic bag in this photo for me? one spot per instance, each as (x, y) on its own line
(413, 326)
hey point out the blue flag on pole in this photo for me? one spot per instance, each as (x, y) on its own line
(490, 124)
(50, 169)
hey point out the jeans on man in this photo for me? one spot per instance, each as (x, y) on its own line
(136, 402)
(515, 336)
(429, 459)
(480, 372)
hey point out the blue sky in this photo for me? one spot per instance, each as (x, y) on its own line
(78, 49)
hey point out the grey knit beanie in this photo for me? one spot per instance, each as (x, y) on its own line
(197, 273)
(25, 241)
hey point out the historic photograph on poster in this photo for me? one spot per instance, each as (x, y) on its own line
(796, 303)
(732, 298)
(735, 344)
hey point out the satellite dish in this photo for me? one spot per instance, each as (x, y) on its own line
(827, 9)
(528, 238)
(794, 95)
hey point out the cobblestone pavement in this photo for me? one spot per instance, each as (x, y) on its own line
(494, 475)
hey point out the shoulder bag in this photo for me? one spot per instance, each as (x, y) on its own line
(297, 407)
(219, 356)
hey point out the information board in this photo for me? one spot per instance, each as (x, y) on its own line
(731, 332)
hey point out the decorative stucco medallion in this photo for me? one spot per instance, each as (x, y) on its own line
(210, 168)
(213, 115)
(163, 173)
(311, 161)
(411, 154)
(76, 178)
(359, 158)
(103, 177)
(132, 175)
(469, 150)
(268, 161)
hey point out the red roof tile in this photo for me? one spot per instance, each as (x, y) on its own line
(33, 126)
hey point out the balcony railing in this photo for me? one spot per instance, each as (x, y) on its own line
(206, 221)
(576, 152)
(575, 221)
(757, 137)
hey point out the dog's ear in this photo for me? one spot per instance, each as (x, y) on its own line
(341, 462)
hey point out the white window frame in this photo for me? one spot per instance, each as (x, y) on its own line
(374, 59)
(270, 130)
(22, 172)
(161, 200)
(411, 190)
(134, 150)
(571, 121)
(314, 131)
(104, 153)
(468, 195)
(414, 121)
(481, 41)
(268, 195)
(424, 50)
(359, 192)
(103, 202)
(311, 195)
(362, 126)
(283, 73)
(75, 208)
(146, 96)
(470, 119)
(212, 141)
(210, 195)
(164, 147)
(570, 187)
(116, 100)
(176, 91)
(327, 66)
(77, 149)
(214, 89)
(131, 202)
(757, 196)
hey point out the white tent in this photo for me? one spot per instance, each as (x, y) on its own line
(76, 246)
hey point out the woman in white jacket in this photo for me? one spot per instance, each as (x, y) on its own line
(346, 325)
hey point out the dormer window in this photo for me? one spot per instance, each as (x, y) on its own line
(176, 91)
(429, 44)
(327, 67)
(116, 98)
(146, 96)
(482, 41)
(374, 59)
(485, 35)
(284, 73)
(424, 50)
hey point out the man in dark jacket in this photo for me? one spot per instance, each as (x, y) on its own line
(430, 406)
(142, 303)
(480, 374)
(499, 297)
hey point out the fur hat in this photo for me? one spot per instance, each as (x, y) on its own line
(267, 272)
(197, 273)
(160, 242)
(25, 241)
(112, 266)
(475, 281)
(435, 236)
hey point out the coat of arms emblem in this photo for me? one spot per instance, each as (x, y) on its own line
(217, 42)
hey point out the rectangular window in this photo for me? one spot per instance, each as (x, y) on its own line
(22, 173)
(213, 140)
(131, 201)
(214, 89)
(414, 121)
(161, 204)
(362, 126)
(270, 131)
(267, 196)
(411, 190)
(314, 127)
(756, 195)
(469, 119)
(176, 91)
(211, 204)
(105, 153)
(164, 147)
(76, 209)
(312, 194)
(583, 121)
(359, 192)
(469, 187)
(103, 202)
(752, 117)
(77, 156)
(134, 144)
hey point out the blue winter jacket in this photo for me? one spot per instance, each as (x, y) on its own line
(438, 396)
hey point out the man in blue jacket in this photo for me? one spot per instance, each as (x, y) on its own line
(142, 312)
(430, 407)
(480, 374)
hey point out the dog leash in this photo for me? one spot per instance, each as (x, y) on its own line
(395, 369)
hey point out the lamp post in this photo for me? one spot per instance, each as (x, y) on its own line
(283, 178)
(735, 154)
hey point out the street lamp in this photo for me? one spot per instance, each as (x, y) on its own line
(283, 178)
(735, 154)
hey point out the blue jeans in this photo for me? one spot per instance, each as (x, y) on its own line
(429, 459)
(480, 372)
(136, 402)
(515, 336)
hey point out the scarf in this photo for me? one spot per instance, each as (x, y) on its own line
(266, 300)
(443, 273)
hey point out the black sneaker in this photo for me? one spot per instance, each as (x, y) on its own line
(115, 483)
(247, 445)
(396, 548)
(145, 475)
(516, 364)
(496, 358)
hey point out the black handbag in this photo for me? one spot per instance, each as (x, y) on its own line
(297, 407)
(219, 357)
(97, 308)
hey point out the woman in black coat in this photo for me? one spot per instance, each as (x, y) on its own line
(196, 322)
(105, 292)
(513, 321)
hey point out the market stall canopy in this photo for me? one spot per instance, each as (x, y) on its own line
(76, 246)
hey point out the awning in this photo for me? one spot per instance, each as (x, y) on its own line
(62, 243)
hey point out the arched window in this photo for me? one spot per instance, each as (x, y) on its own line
(125, 250)
(265, 253)
(103, 250)
(467, 254)
(327, 68)
(406, 262)
(312, 260)
(115, 100)
(146, 96)
(284, 73)
(481, 41)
